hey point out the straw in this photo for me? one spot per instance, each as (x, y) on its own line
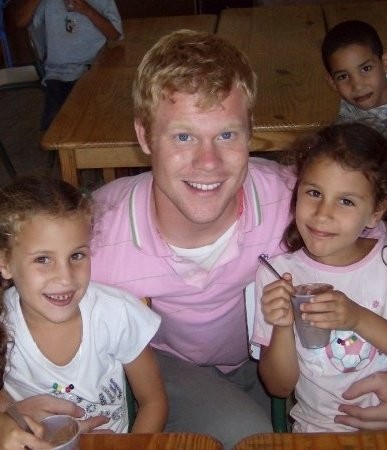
(269, 266)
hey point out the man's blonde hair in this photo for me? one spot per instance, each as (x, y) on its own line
(190, 62)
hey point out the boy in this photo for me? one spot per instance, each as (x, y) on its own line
(70, 32)
(356, 68)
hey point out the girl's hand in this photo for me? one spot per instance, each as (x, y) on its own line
(40, 406)
(14, 438)
(276, 302)
(332, 310)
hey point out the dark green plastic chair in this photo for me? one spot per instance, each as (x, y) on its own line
(278, 415)
(131, 404)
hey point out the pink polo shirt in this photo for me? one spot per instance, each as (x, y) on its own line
(203, 313)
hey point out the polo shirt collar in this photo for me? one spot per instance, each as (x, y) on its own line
(144, 233)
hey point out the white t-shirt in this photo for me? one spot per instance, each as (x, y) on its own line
(326, 372)
(116, 329)
(206, 256)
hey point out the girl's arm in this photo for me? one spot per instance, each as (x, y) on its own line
(373, 329)
(40, 406)
(25, 12)
(338, 312)
(278, 363)
(144, 377)
(99, 21)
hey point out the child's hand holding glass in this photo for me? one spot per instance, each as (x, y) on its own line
(276, 302)
(332, 310)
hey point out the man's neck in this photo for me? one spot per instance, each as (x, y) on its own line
(179, 231)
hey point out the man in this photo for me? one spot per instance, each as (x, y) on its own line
(189, 233)
(373, 417)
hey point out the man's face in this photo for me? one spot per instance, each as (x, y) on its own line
(199, 160)
(359, 76)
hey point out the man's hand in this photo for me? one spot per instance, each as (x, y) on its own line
(372, 417)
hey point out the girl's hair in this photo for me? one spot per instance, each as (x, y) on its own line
(20, 201)
(352, 145)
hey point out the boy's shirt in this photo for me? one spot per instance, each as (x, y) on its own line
(374, 117)
(71, 40)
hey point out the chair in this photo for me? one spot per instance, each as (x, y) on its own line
(19, 77)
(26, 76)
(131, 405)
(279, 415)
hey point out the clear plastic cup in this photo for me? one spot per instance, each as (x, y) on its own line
(62, 432)
(310, 336)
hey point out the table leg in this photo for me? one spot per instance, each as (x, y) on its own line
(108, 175)
(68, 166)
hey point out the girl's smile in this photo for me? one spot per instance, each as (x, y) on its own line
(49, 263)
(334, 205)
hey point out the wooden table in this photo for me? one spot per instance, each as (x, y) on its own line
(161, 441)
(141, 34)
(94, 128)
(375, 13)
(283, 45)
(311, 441)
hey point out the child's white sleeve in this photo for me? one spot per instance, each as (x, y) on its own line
(261, 331)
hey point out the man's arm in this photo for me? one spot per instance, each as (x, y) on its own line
(25, 10)
(372, 417)
(102, 23)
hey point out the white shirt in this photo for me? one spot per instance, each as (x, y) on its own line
(116, 329)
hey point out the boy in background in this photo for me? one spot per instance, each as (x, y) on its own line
(70, 33)
(356, 66)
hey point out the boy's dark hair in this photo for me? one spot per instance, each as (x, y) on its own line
(347, 33)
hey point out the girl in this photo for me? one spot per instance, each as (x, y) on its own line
(341, 189)
(11, 436)
(71, 338)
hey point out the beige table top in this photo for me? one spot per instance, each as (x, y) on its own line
(375, 13)
(141, 34)
(283, 45)
(312, 441)
(95, 126)
(157, 441)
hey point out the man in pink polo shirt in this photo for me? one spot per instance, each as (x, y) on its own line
(189, 233)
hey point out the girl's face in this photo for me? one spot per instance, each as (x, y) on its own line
(49, 263)
(334, 205)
